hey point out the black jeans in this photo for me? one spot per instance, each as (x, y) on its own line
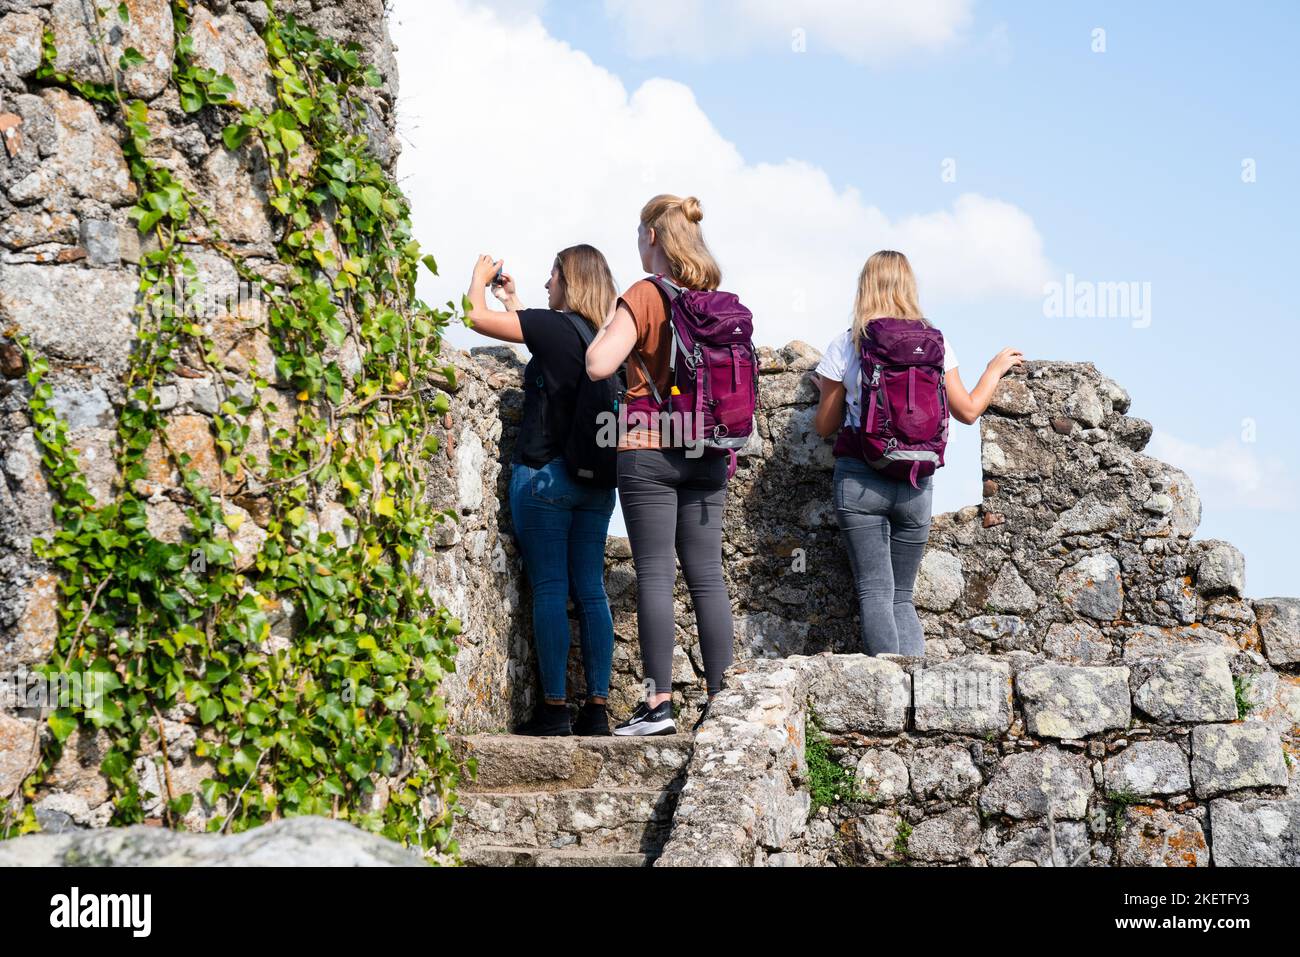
(673, 504)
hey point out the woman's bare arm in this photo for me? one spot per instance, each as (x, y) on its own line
(612, 345)
(496, 325)
(830, 408)
(966, 406)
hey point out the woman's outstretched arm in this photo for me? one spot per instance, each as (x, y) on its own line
(968, 406)
(612, 345)
(496, 325)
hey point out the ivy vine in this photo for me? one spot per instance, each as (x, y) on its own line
(315, 724)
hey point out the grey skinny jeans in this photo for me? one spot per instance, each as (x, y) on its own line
(672, 505)
(886, 524)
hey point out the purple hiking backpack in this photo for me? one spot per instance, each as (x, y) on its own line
(713, 367)
(904, 426)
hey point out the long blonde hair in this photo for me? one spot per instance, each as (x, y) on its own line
(886, 287)
(676, 222)
(589, 288)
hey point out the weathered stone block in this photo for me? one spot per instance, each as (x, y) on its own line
(939, 582)
(1077, 641)
(1093, 586)
(228, 44)
(1061, 701)
(1148, 769)
(1154, 837)
(1257, 832)
(969, 695)
(859, 693)
(148, 30)
(1230, 757)
(1195, 685)
(882, 775)
(1032, 783)
(1065, 844)
(80, 315)
(945, 773)
(947, 838)
(20, 43)
(19, 754)
(1010, 593)
(1279, 626)
(1222, 569)
(85, 160)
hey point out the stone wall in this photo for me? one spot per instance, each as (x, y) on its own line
(69, 274)
(1080, 551)
(1076, 631)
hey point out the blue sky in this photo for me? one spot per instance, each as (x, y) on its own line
(1115, 166)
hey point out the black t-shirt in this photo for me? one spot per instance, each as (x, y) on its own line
(559, 359)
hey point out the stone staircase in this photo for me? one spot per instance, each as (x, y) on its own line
(568, 802)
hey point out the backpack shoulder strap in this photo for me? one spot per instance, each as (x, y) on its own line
(584, 329)
(670, 291)
(667, 286)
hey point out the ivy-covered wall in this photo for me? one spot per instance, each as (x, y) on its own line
(224, 426)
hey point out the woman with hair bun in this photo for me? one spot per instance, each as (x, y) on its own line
(672, 500)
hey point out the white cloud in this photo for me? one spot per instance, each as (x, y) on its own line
(868, 31)
(1231, 474)
(518, 145)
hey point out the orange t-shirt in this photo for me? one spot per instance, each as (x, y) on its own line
(654, 343)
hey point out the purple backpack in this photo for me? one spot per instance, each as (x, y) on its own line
(904, 400)
(713, 367)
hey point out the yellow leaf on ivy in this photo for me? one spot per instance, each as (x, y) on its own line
(233, 521)
(302, 396)
(385, 506)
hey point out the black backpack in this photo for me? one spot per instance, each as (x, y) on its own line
(588, 461)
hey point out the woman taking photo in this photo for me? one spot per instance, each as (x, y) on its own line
(883, 508)
(672, 497)
(560, 525)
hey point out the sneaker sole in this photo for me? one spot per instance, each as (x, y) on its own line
(646, 729)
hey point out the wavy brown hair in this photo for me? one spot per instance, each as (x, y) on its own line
(588, 284)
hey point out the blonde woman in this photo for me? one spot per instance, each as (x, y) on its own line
(560, 524)
(885, 518)
(672, 500)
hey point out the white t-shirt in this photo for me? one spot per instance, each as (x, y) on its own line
(840, 363)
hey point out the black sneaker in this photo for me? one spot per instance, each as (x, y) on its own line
(549, 720)
(592, 721)
(646, 721)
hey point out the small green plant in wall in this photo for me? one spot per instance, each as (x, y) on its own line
(1241, 685)
(1120, 801)
(902, 837)
(828, 782)
(346, 717)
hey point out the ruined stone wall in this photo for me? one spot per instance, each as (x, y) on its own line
(1077, 634)
(1081, 550)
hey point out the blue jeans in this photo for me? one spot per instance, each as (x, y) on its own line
(561, 527)
(886, 524)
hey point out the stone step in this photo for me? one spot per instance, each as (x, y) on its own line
(623, 820)
(490, 856)
(509, 762)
